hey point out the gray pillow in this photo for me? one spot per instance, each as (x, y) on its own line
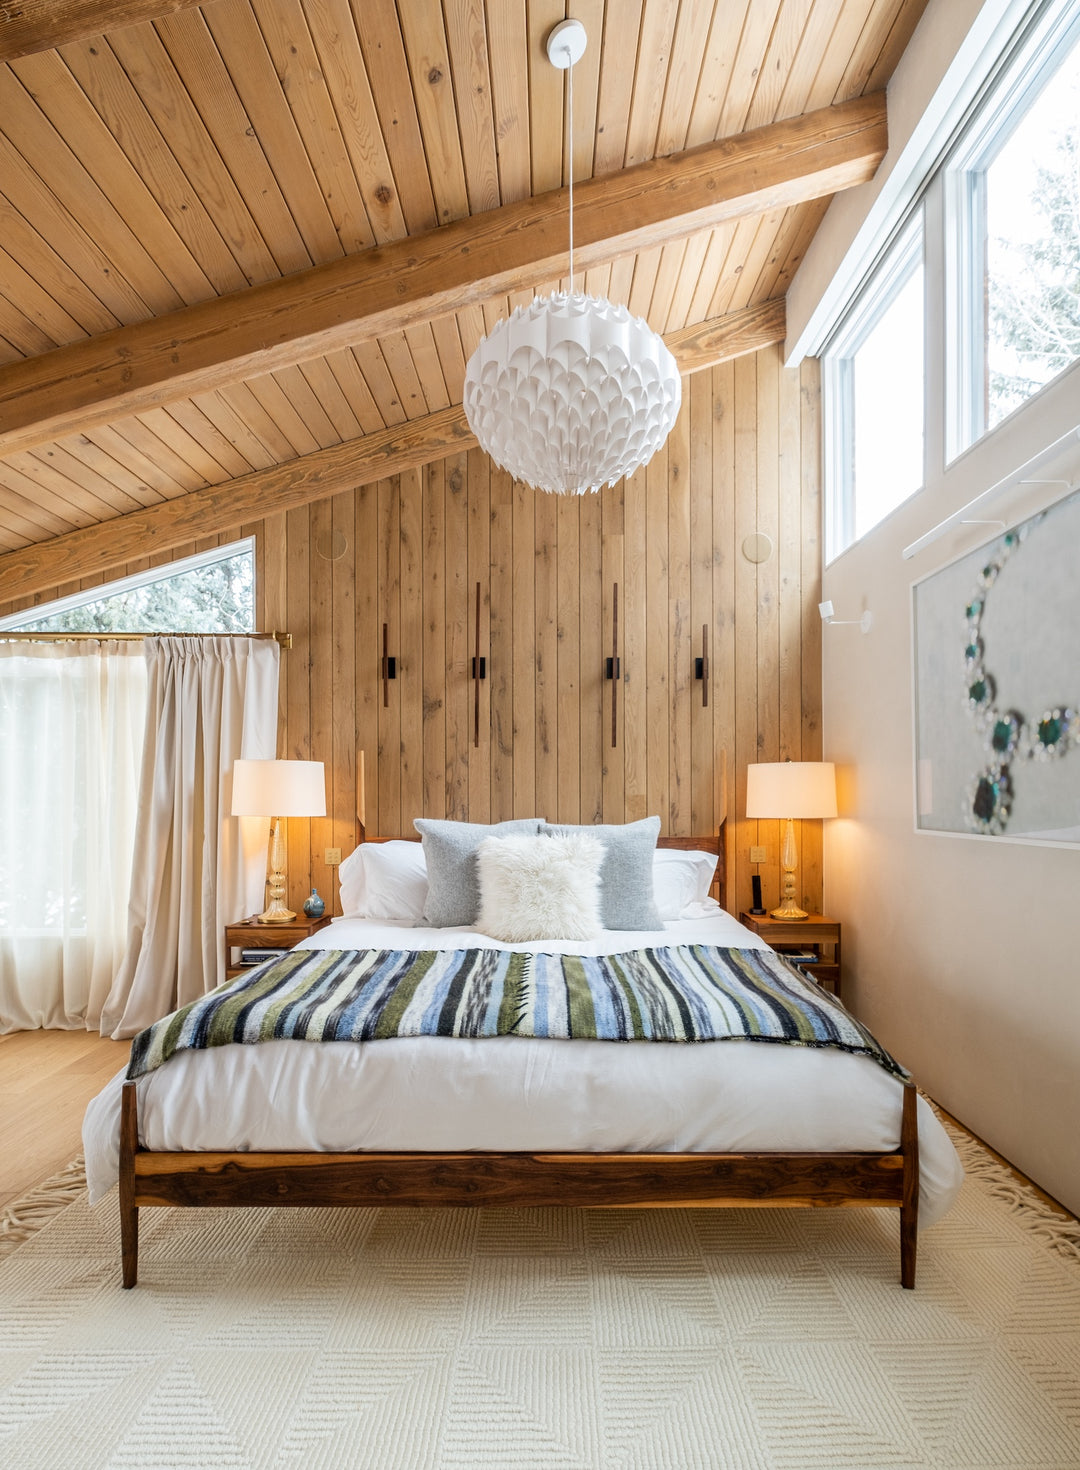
(627, 900)
(453, 899)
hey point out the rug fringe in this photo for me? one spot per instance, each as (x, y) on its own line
(26, 1216)
(1058, 1231)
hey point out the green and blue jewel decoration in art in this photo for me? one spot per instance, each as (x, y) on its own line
(1006, 733)
(988, 800)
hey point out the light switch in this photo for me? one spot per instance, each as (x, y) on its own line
(332, 857)
(757, 855)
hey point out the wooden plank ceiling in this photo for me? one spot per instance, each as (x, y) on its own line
(252, 233)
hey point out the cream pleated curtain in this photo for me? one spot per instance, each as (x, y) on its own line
(209, 701)
(71, 736)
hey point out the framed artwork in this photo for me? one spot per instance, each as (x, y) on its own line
(997, 685)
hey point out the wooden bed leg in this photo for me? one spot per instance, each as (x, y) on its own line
(129, 1212)
(909, 1208)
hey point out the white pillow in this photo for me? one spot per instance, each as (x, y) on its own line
(384, 880)
(540, 887)
(681, 880)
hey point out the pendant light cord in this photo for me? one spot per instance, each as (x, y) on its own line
(570, 152)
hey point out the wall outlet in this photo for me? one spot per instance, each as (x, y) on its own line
(757, 855)
(332, 857)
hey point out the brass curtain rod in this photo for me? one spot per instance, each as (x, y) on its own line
(285, 639)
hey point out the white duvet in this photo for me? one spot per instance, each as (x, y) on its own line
(518, 1093)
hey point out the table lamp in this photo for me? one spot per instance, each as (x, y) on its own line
(277, 789)
(784, 790)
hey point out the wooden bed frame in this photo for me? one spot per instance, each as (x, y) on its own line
(595, 1180)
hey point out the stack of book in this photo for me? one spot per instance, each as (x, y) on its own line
(259, 956)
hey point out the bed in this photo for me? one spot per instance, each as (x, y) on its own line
(515, 1121)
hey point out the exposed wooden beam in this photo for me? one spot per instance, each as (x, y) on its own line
(384, 290)
(705, 344)
(326, 472)
(29, 26)
(219, 507)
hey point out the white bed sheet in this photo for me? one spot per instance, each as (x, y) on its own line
(509, 1093)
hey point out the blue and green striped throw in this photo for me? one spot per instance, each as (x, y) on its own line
(681, 993)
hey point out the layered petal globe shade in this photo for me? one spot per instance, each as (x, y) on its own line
(571, 392)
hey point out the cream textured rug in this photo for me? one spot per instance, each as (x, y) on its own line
(661, 1340)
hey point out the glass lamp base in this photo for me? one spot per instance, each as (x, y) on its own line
(788, 909)
(277, 913)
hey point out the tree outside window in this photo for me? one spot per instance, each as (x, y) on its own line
(215, 596)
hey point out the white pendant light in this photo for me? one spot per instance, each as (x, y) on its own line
(571, 392)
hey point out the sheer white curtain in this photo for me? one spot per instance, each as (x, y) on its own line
(209, 701)
(71, 736)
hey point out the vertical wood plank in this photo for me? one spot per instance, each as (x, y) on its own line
(368, 643)
(656, 638)
(460, 591)
(411, 648)
(745, 669)
(612, 510)
(595, 636)
(523, 582)
(437, 678)
(568, 625)
(391, 818)
(722, 693)
(501, 670)
(298, 715)
(767, 522)
(272, 601)
(702, 760)
(634, 623)
(546, 586)
(481, 570)
(680, 662)
(320, 829)
(341, 776)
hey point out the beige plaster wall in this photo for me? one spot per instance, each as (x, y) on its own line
(960, 953)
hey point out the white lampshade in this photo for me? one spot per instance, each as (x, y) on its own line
(571, 392)
(278, 789)
(791, 789)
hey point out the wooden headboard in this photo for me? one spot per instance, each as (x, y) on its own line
(713, 843)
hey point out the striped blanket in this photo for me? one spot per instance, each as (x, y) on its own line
(685, 993)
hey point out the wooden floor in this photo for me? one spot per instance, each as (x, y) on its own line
(46, 1080)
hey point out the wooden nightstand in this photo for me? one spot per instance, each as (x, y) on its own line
(790, 935)
(250, 934)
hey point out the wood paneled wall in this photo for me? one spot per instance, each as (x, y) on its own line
(409, 551)
(744, 457)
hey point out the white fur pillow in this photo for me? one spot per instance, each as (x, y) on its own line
(534, 887)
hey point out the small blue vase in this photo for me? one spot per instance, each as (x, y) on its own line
(314, 906)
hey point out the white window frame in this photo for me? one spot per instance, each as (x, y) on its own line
(21, 621)
(1035, 56)
(903, 255)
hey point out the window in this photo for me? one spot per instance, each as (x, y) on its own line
(1013, 216)
(978, 280)
(72, 714)
(210, 593)
(874, 397)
